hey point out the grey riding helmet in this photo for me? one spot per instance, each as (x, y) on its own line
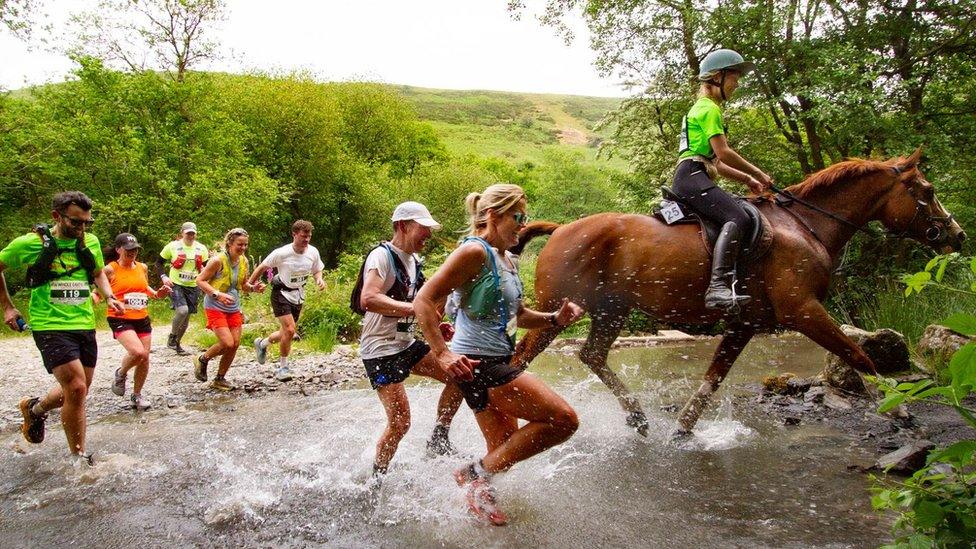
(723, 59)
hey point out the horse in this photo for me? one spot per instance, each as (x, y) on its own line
(612, 263)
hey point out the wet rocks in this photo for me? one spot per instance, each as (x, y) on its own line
(939, 342)
(886, 348)
(907, 459)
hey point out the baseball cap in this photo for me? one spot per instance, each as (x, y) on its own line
(415, 211)
(127, 242)
(189, 227)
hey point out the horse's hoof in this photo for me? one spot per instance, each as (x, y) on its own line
(638, 421)
(680, 435)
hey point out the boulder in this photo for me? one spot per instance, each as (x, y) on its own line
(907, 459)
(940, 343)
(886, 348)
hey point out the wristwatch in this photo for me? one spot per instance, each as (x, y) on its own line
(552, 319)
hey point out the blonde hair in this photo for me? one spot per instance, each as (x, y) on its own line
(499, 197)
(232, 235)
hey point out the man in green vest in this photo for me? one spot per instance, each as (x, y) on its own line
(185, 258)
(62, 264)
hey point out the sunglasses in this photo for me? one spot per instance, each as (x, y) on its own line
(521, 218)
(75, 222)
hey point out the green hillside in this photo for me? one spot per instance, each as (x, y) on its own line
(516, 127)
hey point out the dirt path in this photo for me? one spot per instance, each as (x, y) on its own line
(171, 383)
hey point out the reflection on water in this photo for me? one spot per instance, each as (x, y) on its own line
(289, 471)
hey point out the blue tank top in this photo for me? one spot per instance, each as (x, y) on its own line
(489, 335)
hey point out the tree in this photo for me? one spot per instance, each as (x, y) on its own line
(169, 35)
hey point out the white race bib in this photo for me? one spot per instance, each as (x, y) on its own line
(405, 329)
(298, 278)
(512, 327)
(69, 292)
(187, 276)
(136, 301)
(671, 211)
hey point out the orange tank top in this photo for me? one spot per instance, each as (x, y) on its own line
(131, 287)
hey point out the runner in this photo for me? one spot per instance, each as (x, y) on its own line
(389, 279)
(223, 280)
(186, 258)
(295, 262)
(489, 308)
(62, 264)
(133, 328)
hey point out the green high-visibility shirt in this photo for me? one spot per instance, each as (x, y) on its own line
(702, 122)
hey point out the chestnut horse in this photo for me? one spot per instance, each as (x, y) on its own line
(612, 263)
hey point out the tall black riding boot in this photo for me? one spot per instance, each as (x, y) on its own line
(721, 294)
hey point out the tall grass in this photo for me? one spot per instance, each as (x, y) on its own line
(909, 316)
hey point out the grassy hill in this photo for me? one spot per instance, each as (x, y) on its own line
(518, 127)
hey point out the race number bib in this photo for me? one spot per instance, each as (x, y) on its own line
(671, 211)
(511, 327)
(136, 301)
(683, 139)
(405, 329)
(298, 278)
(69, 292)
(187, 276)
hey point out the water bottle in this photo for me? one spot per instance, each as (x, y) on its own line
(22, 325)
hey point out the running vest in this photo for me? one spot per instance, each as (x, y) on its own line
(401, 289)
(221, 282)
(131, 287)
(40, 272)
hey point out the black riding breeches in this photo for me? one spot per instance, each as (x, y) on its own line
(692, 184)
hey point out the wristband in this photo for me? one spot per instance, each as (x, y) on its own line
(553, 321)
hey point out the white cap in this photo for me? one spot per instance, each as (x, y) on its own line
(189, 227)
(415, 211)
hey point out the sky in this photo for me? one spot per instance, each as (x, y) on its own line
(454, 44)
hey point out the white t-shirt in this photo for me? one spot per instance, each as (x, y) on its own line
(387, 335)
(294, 269)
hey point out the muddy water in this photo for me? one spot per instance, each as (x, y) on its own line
(290, 471)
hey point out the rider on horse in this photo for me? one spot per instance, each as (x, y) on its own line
(704, 154)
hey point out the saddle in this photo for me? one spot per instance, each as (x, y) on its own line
(757, 241)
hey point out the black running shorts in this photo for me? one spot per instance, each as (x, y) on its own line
(493, 371)
(63, 346)
(394, 368)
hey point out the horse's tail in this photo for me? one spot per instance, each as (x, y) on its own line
(532, 230)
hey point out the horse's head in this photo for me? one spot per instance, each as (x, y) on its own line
(913, 210)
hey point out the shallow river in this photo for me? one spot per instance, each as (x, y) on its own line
(290, 471)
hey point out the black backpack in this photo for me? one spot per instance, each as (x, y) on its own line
(40, 272)
(400, 290)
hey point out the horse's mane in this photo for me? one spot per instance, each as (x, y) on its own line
(849, 169)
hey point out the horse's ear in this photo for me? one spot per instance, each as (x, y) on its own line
(911, 161)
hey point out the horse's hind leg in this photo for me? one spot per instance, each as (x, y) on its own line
(604, 330)
(728, 350)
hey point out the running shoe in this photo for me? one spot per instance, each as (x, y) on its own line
(283, 374)
(172, 343)
(33, 427)
(440, 445)
(200, 368)
(260, 351)
(181, 351)
(221, 384)
(483, 502)
(83, 460)
(118, 386)
(140, 403)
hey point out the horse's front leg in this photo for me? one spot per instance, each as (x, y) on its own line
(728, 350)
(812, 320)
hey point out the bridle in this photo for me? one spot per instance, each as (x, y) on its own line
(938, 225)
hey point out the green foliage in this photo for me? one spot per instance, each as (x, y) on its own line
(936, 506)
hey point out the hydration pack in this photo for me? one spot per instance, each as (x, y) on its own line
(400, 291)
(40, 273)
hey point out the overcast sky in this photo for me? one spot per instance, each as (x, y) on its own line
(457, 44)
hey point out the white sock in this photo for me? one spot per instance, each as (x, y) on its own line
(284, 362)
(263, 343)
(36, 409)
